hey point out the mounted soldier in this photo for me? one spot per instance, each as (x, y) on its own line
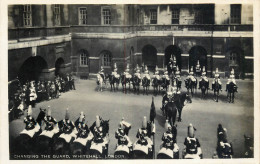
(142, 135)
(126, 73)
(231, 78)
(170, 96)
(114, 73)
(198, 69)
(172, 64)
(51, 127)
(31, 126)
(101, 73)
(216, 80)
(191, 75)
(224, 148)
(137, 72)
(203, 77)
(192, 145)
(231, 87)
(146, 73)
(156, 73)
(178, 78)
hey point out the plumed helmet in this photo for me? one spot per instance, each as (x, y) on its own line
(144, 123)
(97, 121)
(156, 68)
(198, 63)
(29, 112)
(121, 131)
(115, 66)
(67, 115)
(81, 117)
(166, 125)
(216, 73)
(232, 71)
(225, 133)
(49, 111)
(191, 131)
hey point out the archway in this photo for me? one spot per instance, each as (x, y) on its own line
(32, 69)
(59, 67)
(198, 53)
(149, 56)
(172, 50)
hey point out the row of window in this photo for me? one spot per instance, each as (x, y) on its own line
(235, 15)
(106, 59)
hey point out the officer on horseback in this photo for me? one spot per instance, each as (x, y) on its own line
(169, 138)
(67, 127)
(31, 126)
(137, 72)
(224, 149)
(114, 73)
(142, 135)
(98, 132)
(191, 75)
(172, 64)
(82, 127)
(203, 77)
(198, 68)
(122, 136)
(156, 73)
(231, 79)
(216, 80)
(50, 122)
(146, 73)
(192, 144)
(126, 73)
(165, 75)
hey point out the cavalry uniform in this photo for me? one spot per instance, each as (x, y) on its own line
(156, 74)
(231, 79)
(31, 126)
(33, 96)
(126, 73)
(146, 73)
(169, 139)
(101, 73)
(216, 80)
(142, 135)
(122, 137)
(190, 76)
(203, 77)
(51, 127)
(172, 64)
(197, 68)
(114, 73)
(98, 132)
(191, 143)
(137, 72)
(165, 75)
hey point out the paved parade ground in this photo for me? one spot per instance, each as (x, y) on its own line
(205, 114)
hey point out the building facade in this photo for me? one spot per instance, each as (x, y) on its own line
(82, 38)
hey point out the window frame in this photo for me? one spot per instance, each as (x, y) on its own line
(176, 14)
(108, 56)
(81, 18)
(56, 15)
(106, 19)
(235, 19)
(153, 16)
(27, 15)
(84, 59)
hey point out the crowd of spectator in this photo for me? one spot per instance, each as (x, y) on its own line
(32, 92)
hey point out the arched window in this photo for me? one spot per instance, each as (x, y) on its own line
(83, 58)
(106, 58)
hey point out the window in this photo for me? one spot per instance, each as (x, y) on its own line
(83, 14)
(175, 16)
(233, 58)
(83, 59)
(56, 15)
(138, 16)
(235, 14)
(153, 16)
(198, 17)
(106, 59)
(27, 15)
(106, 16)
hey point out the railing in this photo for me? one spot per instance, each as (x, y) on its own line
(43, 32)
(37, 32)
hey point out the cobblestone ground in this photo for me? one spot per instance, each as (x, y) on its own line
(205, 115)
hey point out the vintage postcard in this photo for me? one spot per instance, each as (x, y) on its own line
(132, 80)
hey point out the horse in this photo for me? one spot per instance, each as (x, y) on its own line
(100, 81)
(231, 89)
(145, 84)
(80, 145)
(156, 85)
(179, 101)
(24, 143)
(99, 149)
(203, 86)
(190, 85)
(125, 81)
(171, 112)
(136, 84)
(113, 81)
(216, 87)
(165, 83)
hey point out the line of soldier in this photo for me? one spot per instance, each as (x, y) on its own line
(34, 92)
(79, 132)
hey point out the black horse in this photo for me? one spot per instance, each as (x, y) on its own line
(25, 144)
(114, 82)
(231, 89)
(190, 85)
(178, 83)
(124, 82)
(145, 84)
(136, 84)
(179, 101)
(171, 112)
(203, 85)
(156, 85)
(165, 83)
(216, 87)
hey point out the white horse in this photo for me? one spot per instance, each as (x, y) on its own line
(100, 82)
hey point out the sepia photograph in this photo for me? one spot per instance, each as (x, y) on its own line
(131, 81)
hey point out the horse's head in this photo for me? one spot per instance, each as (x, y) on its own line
(188, 98)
